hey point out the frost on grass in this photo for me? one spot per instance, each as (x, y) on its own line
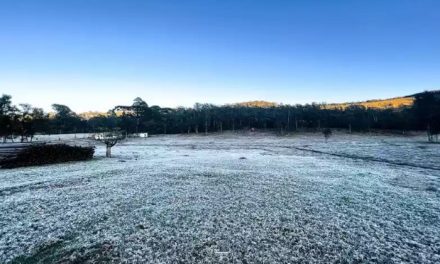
(193, 199)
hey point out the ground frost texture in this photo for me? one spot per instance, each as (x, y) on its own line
(231, 198)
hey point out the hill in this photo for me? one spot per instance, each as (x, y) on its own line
(391, 103)
(91, 114)
(260, 104)
(397, 102)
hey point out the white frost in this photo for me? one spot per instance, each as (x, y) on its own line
(230, 198)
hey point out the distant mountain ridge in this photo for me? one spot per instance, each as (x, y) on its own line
(390, 103)
(91, 114)
(257, 103)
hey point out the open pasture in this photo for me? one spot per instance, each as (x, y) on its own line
(248, 198)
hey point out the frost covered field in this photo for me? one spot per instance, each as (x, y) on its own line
(230, 198)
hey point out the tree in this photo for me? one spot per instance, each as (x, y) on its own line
(427, 111)
(39, 122)
(110, 140)
(25, 122)
(141, 112)
(7, 116)
(65, 120)
(29, 120)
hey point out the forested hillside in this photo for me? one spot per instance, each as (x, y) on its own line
(397, 102)
(423, 113)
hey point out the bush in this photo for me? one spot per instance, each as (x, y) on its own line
(48, 154)
(327, 133)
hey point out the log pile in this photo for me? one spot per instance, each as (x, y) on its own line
(11, 150)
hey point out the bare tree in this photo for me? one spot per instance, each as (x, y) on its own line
(110, 140)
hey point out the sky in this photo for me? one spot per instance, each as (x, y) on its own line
(95, 54)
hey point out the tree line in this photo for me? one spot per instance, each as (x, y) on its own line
(24, 121)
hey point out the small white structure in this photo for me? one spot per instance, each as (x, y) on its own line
(138, 135)
(143, 135)
(98, 136)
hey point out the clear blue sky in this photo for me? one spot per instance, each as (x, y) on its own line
(94, 54)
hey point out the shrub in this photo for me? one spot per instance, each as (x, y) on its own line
(327, 133)
(48, 154)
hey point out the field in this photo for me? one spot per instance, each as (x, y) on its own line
(248, 198)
